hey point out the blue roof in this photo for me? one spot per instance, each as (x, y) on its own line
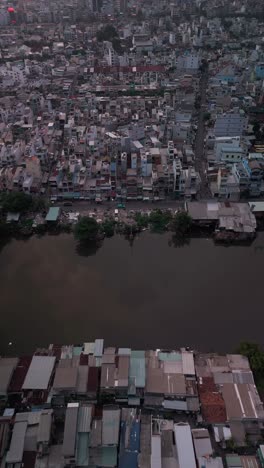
(134, 439)
(128, 460)
(53, 213)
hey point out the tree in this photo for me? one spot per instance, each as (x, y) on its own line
(108, 227)
(108, 33)
(256, 128)
(116, 43)
(142, 220)
(207, 116)
(182, 223)
(16, 202)
(159, 220)
(256, 359)
(86, 229)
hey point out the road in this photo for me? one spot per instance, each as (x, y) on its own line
(130, 205)
(200, 159)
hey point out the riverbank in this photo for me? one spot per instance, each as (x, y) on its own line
(127, 223)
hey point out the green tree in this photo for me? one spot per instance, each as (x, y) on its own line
(256, 359)
(159, 220)
(256, 128)
(182, 223)
(108, 227)
(107, 33)
(142, 220)
(86, 229)
(16, 202)
(117, 45)
(207, 116)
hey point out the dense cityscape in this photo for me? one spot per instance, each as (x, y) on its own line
(95, 406)
(107, 102)
(119, 116)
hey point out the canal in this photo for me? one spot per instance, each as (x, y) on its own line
(146, 295)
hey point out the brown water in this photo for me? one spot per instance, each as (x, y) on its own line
(148, 295)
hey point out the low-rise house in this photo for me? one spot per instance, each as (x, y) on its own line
(31, 435)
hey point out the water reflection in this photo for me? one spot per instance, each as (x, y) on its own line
(178, 241)
(88, 249)
(141, 292)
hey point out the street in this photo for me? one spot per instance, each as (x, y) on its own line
(200, 160)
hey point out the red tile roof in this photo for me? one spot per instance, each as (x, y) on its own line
(29, 459)
(212, 403)
(19, 374)
(93, 379)
(84, 360)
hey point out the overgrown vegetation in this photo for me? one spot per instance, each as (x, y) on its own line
(20, 202)
(108, 227)
(181, 224)
(107, 33)
(255, 356)
(159, 220)
(86, 229)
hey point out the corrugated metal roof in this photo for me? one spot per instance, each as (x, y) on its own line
(188, 363)
(98, 348)
(93, 379)
(32, 418)
(103, 456)
(108, 359)
(7, 367)
(89, 348)
(209, 462)
(54, 459)
(108, 376)
(223, 377)
(124, 352)
(96, 433)
(65, 378)
(110, 429)
(123, 371)
(184, 445)
(176, 405)
(137, 370)
(82, 449)
(15, 453)
(84, 419)
(128, 460)
(156, 451)
(202, 442)
(69, 439)
(133, 401)
(53, 213)
(173, 356)
(77, 350)
(30, 444)
(44, 426)
(82, 379)
(39, 373)
(245, 377)
(172, 367)
(4, 435)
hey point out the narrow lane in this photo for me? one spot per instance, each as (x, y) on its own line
(200, 159)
